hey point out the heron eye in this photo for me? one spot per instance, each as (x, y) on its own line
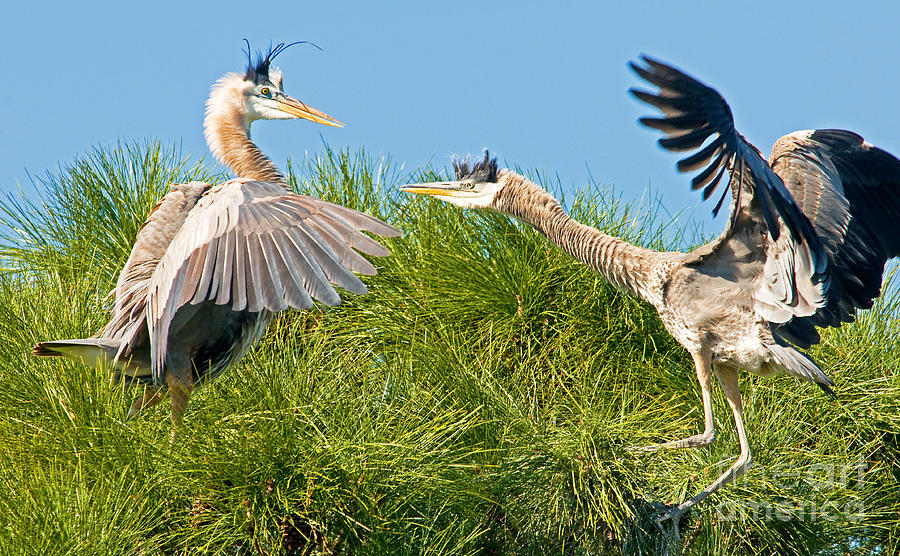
(265, 91)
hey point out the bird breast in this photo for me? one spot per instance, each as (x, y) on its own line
(708, 312)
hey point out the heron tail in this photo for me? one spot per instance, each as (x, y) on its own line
(798, 364)
(100, 352)
(89, 350)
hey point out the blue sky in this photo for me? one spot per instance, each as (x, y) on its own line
(542, 87)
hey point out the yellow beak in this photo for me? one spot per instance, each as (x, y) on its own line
(446, 188)
(297, 108)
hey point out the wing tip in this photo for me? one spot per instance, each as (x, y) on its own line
(648, 60)
(827, 389)
(394, 232)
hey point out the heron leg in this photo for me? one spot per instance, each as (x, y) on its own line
(150, 397)
(180, 388)
(703, 363)
(728, 379)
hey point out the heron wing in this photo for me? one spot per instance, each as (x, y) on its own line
(153, 238)
(786, 267)
(254, 246)
(850, 192)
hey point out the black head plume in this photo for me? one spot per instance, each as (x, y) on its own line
(259, 72)
(482, 172)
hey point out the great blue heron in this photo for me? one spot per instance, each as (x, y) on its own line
(211, 265)
(805, 246)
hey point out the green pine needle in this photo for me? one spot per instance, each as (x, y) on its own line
(481, 399)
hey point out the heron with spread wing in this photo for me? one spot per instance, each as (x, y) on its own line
(212, 264)
(805, 246)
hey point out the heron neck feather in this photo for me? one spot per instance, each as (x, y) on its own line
(228, 133)
(623, 265)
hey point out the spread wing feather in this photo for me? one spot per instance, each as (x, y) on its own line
(790, 267)
(850, 191)
(254, 246)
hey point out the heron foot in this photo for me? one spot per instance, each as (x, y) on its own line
(674, 515)
(696, 441)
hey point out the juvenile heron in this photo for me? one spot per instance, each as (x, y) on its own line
(805, 246)
(212, 264)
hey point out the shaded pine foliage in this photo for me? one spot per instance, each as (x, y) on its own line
(481, 399)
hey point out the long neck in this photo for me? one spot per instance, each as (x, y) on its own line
(625, 266)
(228, 134)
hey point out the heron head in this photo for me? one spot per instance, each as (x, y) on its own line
(262, 93)
(475, 186)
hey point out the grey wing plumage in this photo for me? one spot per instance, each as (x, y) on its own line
(793, 264)
(850, 191)
(254, 246)
(153, 238)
